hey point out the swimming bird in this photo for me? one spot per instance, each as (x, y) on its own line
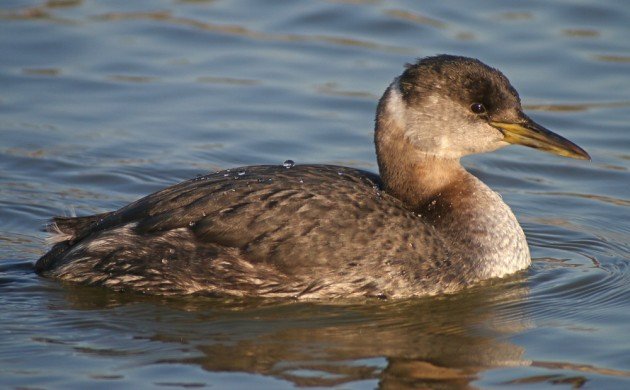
(425, 226)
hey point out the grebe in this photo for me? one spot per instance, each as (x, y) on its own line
(425, 226)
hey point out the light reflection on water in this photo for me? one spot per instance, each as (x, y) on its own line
(451, 339)
(102, 102)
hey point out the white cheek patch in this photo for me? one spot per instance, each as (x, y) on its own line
(394, 103)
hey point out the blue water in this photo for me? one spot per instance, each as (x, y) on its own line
(102, 102)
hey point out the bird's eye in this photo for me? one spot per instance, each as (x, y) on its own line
(477, 108)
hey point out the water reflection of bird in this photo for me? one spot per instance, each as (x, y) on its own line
(425, 226)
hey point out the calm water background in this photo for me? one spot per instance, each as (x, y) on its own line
(102, 102)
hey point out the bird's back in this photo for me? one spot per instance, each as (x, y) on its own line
(308, 230)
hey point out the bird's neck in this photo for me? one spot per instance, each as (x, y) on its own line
(480, 230)
(419, 180)
(413, 176)
(478, 226)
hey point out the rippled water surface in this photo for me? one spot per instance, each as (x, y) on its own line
(102, 102)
